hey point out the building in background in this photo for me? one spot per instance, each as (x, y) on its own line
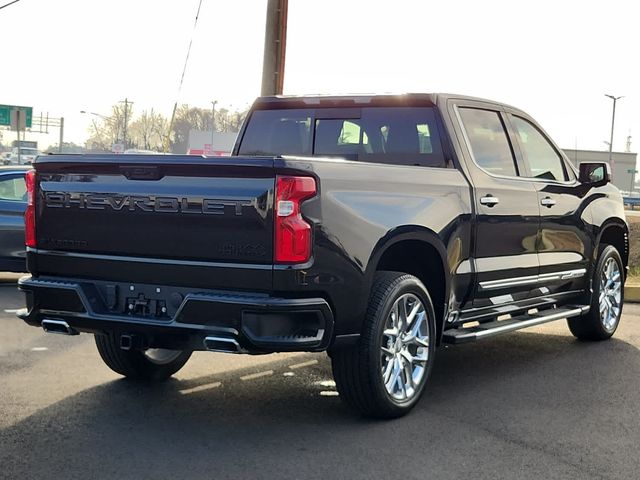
(200, 143)
(624, 165)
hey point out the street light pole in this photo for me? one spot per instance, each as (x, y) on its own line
(106, 120)
(613, 121)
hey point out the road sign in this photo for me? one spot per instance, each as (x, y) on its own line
(18, 120)
(631, 170)
(5, 114)
(117, 148)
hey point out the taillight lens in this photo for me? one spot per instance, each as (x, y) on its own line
(292, 232)
(30, 212)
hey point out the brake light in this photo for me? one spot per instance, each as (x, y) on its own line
(30, 212)
(292, 232)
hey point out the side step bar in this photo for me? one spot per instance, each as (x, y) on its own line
(490, 329)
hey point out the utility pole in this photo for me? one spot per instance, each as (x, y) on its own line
(213, 121)
(126, 120)
(613, 120)
(275, 46)
(18, 129)
(61, 134)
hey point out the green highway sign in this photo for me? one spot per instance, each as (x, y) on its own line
(631, 170)
(5, 114)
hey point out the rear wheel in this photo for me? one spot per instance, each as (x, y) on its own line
(386, 373)
(150, 364)
(603, 318)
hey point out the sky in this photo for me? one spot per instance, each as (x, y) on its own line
(553, 59)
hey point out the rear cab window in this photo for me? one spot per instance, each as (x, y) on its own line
(394, 135)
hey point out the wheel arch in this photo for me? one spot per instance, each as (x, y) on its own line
(399, 250)
(615, 232)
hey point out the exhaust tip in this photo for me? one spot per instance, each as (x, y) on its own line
(58, 326)
(222, 344)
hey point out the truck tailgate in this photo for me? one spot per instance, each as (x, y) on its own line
(159, 207)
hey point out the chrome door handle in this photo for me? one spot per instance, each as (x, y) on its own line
(489, 200)
(547, 202)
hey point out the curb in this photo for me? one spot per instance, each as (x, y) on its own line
(632, 293)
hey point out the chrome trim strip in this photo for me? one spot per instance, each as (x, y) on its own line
(533, 279)
(508, 282)
(121, 258)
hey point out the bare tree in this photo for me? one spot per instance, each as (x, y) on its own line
(147, 130)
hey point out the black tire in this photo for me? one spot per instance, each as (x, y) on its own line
(135, 364)
(592, 326)
(358, 370)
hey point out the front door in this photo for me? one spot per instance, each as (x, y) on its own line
(563, 244)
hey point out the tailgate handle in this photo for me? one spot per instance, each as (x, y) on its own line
(141, 173)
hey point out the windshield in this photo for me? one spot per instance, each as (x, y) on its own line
(399, 135)
(28, 151)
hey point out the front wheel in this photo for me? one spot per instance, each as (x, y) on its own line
(385, 374)
(603, 318)
(150, 364)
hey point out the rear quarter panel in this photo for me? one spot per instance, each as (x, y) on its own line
(363, 208)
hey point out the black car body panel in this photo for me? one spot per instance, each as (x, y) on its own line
(178, 228)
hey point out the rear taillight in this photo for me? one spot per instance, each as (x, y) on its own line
(30, 212)
(292, 232)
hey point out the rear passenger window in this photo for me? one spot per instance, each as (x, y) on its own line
(544, 161)
(488, 141)
(401, 136)
(13, 188)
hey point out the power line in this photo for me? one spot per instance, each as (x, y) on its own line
(184, 69)
(7, 4)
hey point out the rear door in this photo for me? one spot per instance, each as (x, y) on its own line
(563, 243)
(507, 213)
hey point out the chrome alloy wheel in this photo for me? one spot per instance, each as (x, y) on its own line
(610, 294)
(161, 356)
(405, 347)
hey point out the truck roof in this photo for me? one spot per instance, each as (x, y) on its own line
(359, 100)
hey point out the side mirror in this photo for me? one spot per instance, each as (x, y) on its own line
(595, 173)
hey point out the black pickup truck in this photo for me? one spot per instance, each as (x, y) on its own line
(371, 227)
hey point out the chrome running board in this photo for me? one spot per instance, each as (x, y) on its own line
(490, 329)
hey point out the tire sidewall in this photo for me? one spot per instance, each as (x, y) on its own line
(606, 252)
(411, 285)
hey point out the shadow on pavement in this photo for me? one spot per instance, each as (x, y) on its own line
(523, 405)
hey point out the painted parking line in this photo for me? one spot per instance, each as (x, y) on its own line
(326, 383)
(12, 310)
(303, 364)
(253, 376)
(200, 388)
(329, 393)
(39, 349)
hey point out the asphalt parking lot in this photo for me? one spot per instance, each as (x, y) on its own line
(532, 404)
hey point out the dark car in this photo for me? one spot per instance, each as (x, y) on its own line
(13, 202)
